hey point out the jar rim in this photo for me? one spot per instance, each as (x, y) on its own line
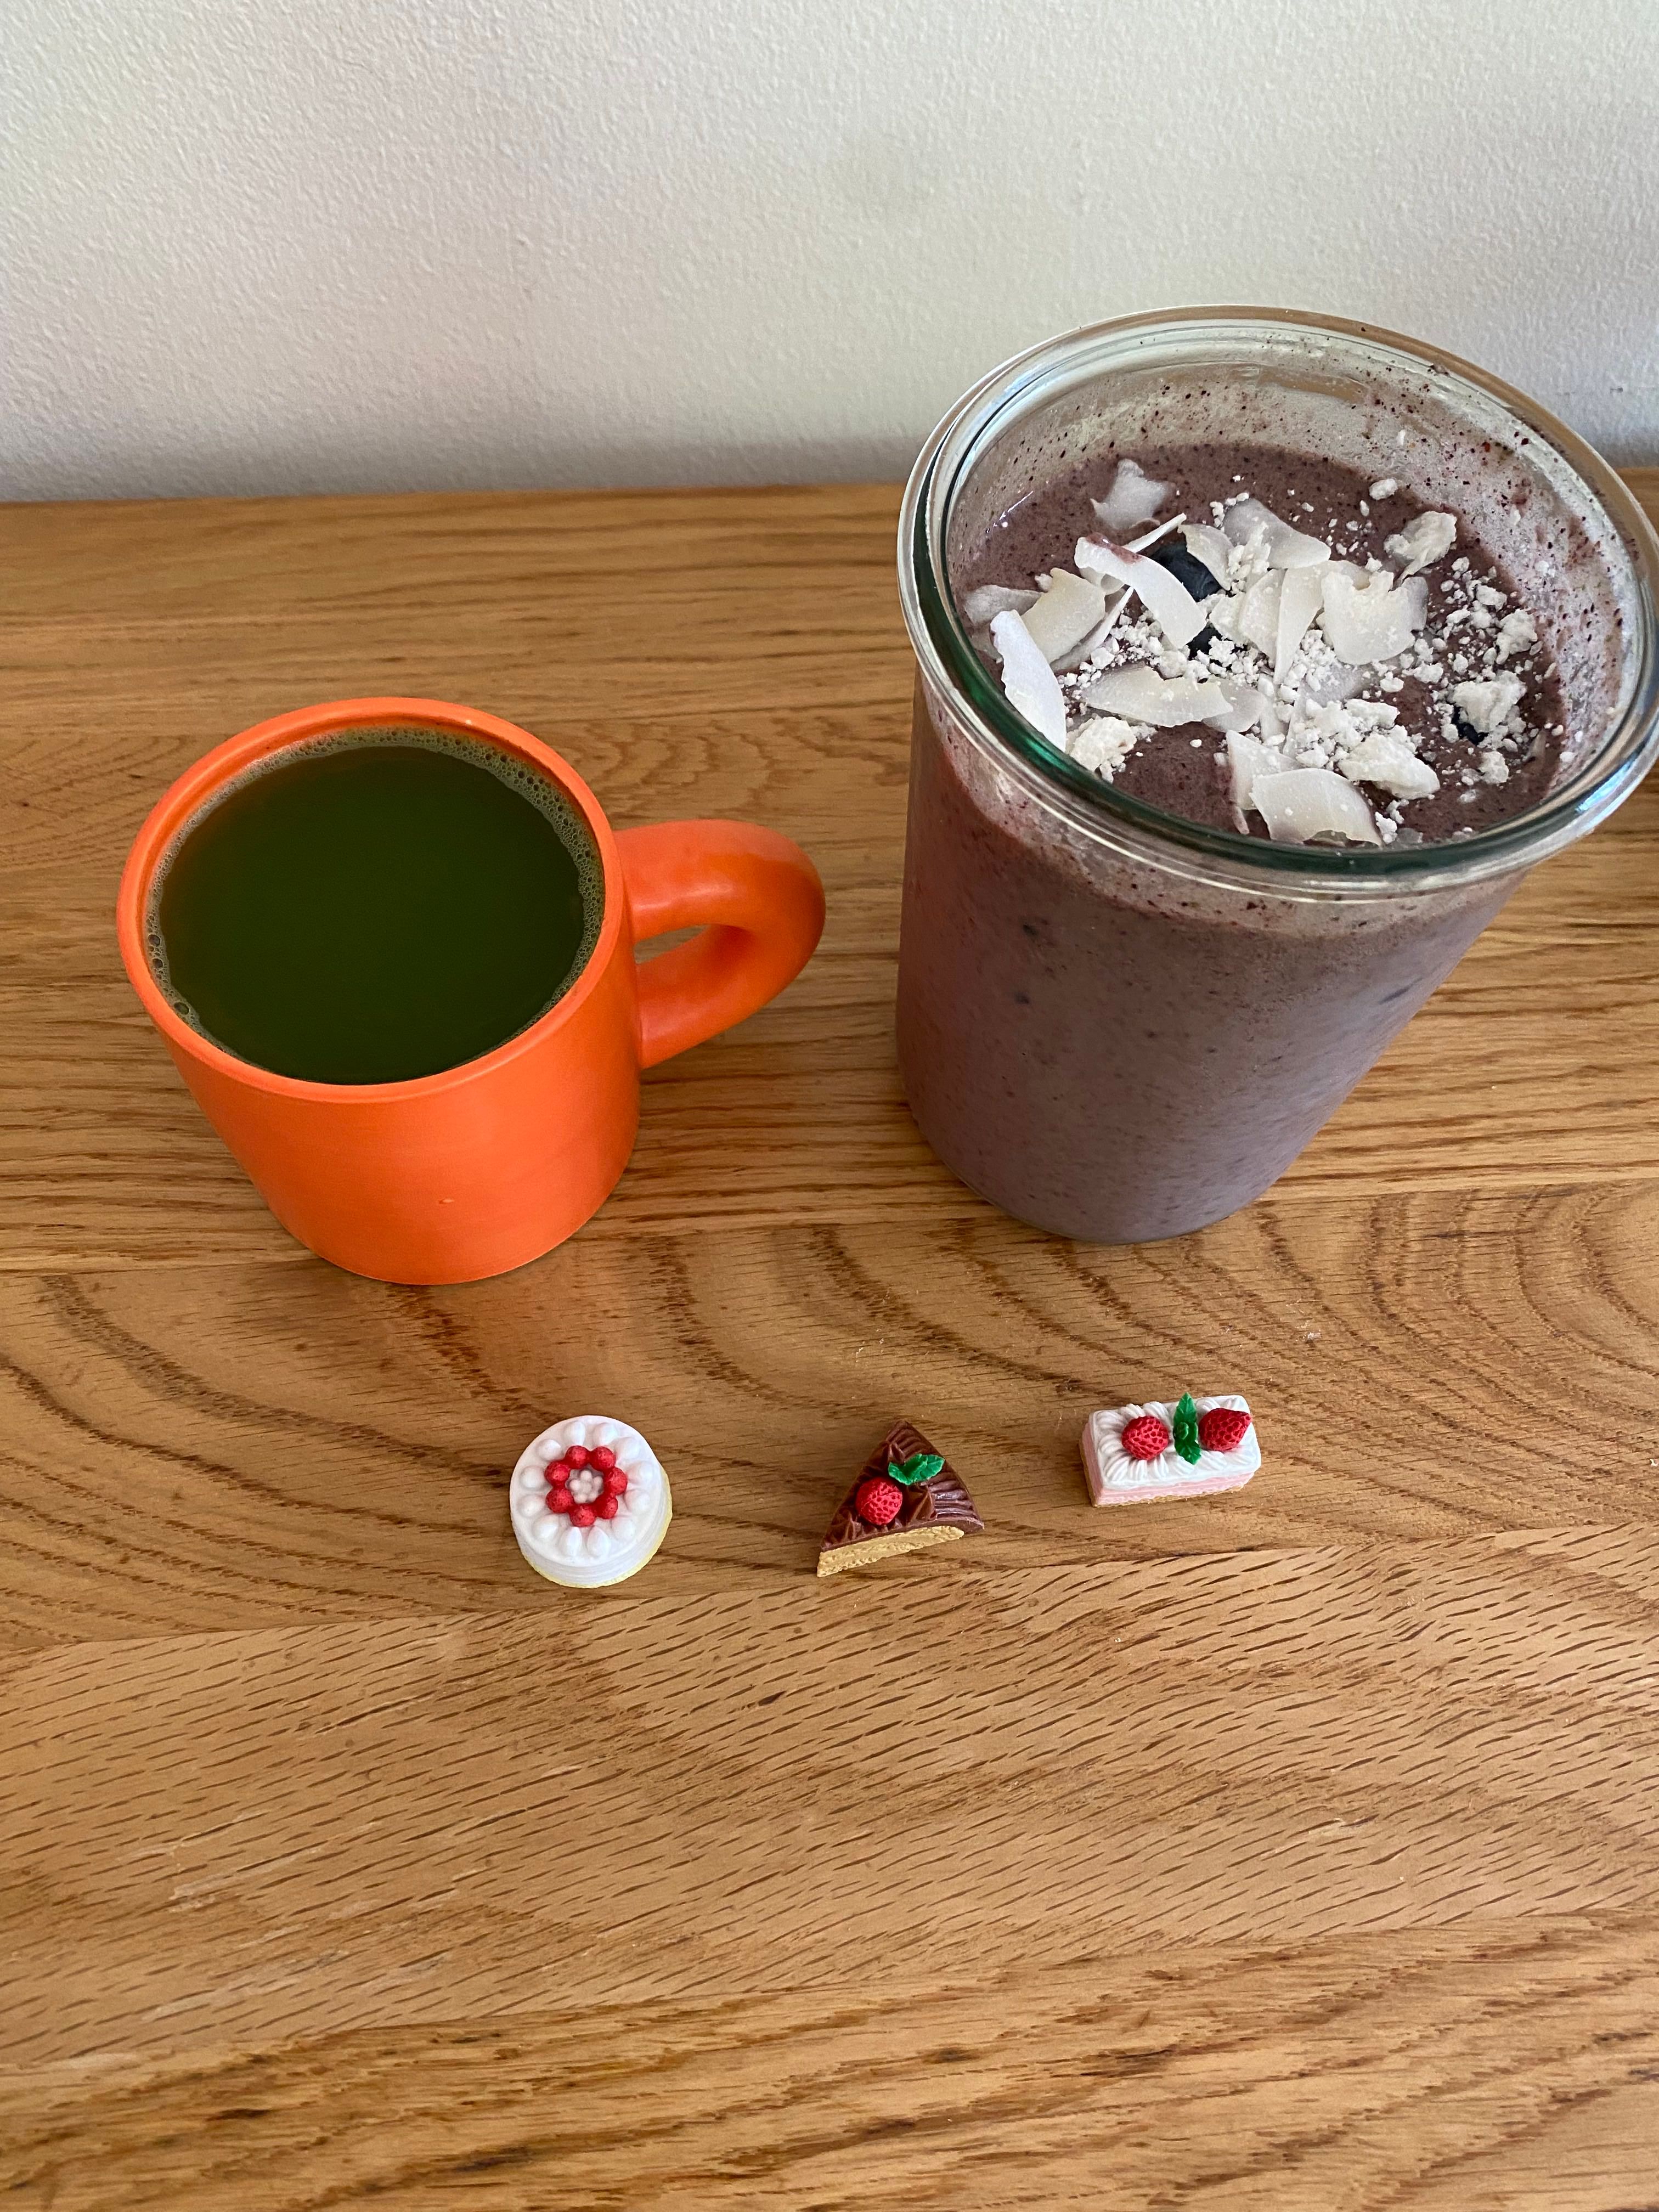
(947, 658)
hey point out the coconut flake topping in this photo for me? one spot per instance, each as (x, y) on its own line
(1284, 659)
(1135, 499)
(1064, 614)
(1032, 687)
(1423, 542)
(1178, 614)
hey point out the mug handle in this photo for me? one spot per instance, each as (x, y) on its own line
(757, 905)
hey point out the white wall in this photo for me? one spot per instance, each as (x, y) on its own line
(289, 245)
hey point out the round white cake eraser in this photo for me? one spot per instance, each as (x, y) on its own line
(595, 1522)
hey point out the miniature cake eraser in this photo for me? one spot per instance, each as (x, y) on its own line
(590, 1502)
(1191, 1448)
(905, 1497)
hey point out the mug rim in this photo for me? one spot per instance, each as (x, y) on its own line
(190, 791)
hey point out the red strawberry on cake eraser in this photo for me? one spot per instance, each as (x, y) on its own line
(1190, 1449)
(1222, 1429)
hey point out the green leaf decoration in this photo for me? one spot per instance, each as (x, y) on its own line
(1185, 1428)
(922, 1466)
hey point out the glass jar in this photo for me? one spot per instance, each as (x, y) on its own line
(1117, 1025)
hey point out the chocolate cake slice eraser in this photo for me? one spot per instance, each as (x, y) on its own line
(904, 1499)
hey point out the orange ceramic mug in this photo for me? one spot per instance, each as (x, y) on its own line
(464, 1174)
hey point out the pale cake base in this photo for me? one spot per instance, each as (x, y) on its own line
(884, 1547)
(1203, 1486)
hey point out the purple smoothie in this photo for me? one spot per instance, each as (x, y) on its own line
(1130, 1066)
(1118, 1034)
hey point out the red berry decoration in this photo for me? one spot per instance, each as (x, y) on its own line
(586, 1486)
(877, 1501)
(1223, 1429)
(1146, 1438)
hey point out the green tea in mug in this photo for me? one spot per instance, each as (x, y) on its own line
(376, 905)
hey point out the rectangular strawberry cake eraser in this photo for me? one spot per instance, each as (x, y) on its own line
(1191, 1448)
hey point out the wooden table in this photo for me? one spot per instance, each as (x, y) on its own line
(1293, 1850)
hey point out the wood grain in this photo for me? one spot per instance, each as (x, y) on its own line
(1046, 1764)
(1057, 1776)
(1286, 1850)
(1503, 2070)
(305, 1446)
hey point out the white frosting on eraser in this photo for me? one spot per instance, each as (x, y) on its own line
(1116, 1477)
(609, 1549)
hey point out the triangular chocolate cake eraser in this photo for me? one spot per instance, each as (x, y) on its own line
(905, 1497)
